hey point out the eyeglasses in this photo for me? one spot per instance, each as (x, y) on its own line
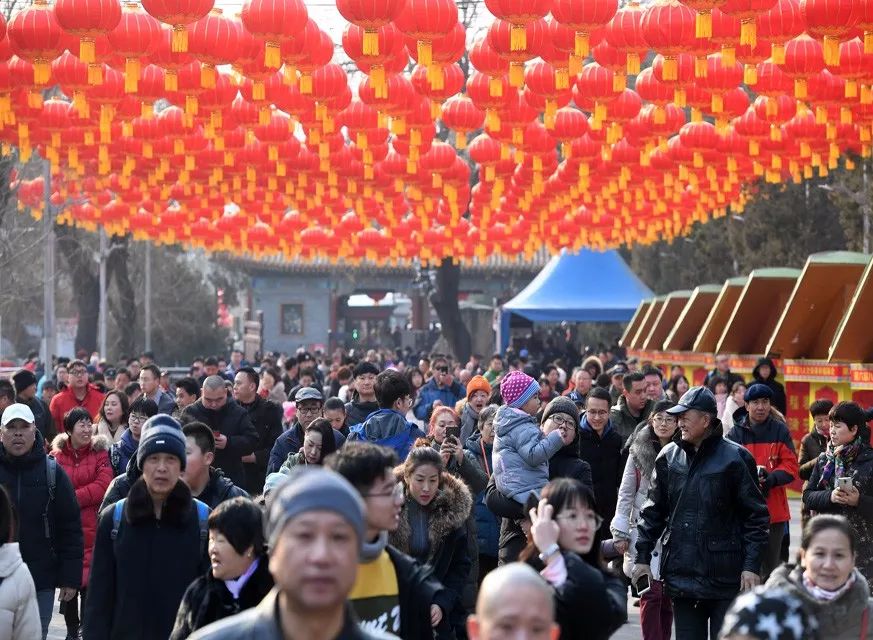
(562, 422)
(575, 517)
(135, 417)
(664, 419)
(442, 369)
(78, 372)
(396, 492)
(308, 410)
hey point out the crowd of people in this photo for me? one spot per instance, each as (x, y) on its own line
(384, 494)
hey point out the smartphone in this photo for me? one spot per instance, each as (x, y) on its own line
(643, 585)
(844, 484)
(454, 432)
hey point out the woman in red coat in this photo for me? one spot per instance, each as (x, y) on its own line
(85, 458)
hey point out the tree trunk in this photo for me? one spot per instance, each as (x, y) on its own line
(445, 301)
(122, 308)
(85, 283)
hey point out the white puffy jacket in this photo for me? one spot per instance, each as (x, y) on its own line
(19, 614)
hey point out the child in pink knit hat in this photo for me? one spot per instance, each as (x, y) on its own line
(521, 452)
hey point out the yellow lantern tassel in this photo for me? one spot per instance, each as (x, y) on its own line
(517, 37)
(95, 74)
(800, 88)
(80, 104)
(147, 110)
(748, 33)
(492, 120)
(191, 105)
(660, 115)
(866, 94)
(831, 50)
(581, 44)
(845, 115)
(703, 25)
(754, 148)
(306, 84)
(679, 97)
(425, 53)
(207, 76)
(258, 90)
(171, 80)
(131, 75)
(86, 50)
(272, 55)
(851, 89)
(42, 72)
(371, 42)
(821, 115)
(777, 52)
(289, 74)
(750, 75)
(619, 82)
(632, 63)
(728, 56)
(562, 78)
(670, 69)
(775, 133)
(574, 65)
(179, 39)
(551, 110)
(460, 140)
(516, 74)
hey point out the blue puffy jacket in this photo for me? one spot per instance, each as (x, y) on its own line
(430, 393)
(487, 524)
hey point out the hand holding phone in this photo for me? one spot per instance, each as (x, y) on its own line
(844, 484)
(643, 584)
(454, 432)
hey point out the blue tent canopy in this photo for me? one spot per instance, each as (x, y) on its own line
(588, 286)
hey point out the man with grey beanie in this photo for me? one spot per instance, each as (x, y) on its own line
(150, 545)
(315, 531)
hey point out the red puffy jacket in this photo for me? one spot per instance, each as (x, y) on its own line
(90, 472)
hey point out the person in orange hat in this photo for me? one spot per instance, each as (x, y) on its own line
(478, 392)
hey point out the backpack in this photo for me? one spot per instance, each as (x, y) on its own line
(401, 442)
(51, 480)
(202, 518)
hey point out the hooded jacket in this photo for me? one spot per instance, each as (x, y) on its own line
(860, 517)
(138, 579)
(447, 537)
(771, 446)
(122, 452)
(242, 438)
(219, 488)
(778, 400)
(632, 493)
(19, 613)
(623, 421)
(208, 599)
(290, 443)
(706, 508)
(521, 453)
(839, 619)
(54, 557)
(90, 473)
(469, 422)
(262, 623)
(357, 412)
(603, 453)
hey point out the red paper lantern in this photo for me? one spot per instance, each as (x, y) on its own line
(87, 19)
(369, 16)
(779, 25)
(426, 20)
(274, 21)
(459, 113)
(583, 18)
(179, 14)
(35, 36)
(132, 39)
(669, 28)
(746, 11)
(803, 58)
(830, 21)
(214, 40)
(625, 33)
(501, 40)
(519, 13)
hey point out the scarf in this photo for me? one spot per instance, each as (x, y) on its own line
(236, 586)
(836, 464)
(823, 595)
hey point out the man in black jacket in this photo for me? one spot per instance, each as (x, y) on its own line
(705, 500)
(207, 484)
(49, 518)
(409, 611)
(266, 416)
(235, 435)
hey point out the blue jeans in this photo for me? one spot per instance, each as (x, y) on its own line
(45, 600)
(699, 619)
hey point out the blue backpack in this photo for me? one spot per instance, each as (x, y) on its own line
(202, 517)
(401, 442)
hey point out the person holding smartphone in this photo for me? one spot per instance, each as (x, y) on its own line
(842, 481)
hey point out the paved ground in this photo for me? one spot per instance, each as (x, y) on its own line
(630, 631)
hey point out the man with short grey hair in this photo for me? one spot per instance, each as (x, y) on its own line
(514, 601)
(235, 435)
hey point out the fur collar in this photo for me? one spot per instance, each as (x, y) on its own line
(98, 442)
(644, 449)
(177, 508)
(448, 511)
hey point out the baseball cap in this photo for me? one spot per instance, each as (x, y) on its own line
(308, 393)
(618, 370)
(699, 398)
(17, 411)
(110, 373)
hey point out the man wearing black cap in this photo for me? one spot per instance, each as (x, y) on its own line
(768, 440)
(25, 389)
(705, 500)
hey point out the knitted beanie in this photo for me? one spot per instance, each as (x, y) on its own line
(562, 404)
(23, 379)
(517, 388)
(478, 383)
(313, 488)
(766, 613)
(161, 434)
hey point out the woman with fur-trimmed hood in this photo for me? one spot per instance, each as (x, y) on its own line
(85, 459)
(656, 611)
(433, 529)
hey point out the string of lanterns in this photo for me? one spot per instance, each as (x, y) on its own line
(598, 125)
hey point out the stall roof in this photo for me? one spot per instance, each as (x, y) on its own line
(817, 304)
(721, 310)
(631, 329)
(853, 341)
(588, 286)
(692, 317)
(647, 323)
(673, 305)
(757, 311)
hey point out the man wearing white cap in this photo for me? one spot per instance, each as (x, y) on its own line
(49, 519)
